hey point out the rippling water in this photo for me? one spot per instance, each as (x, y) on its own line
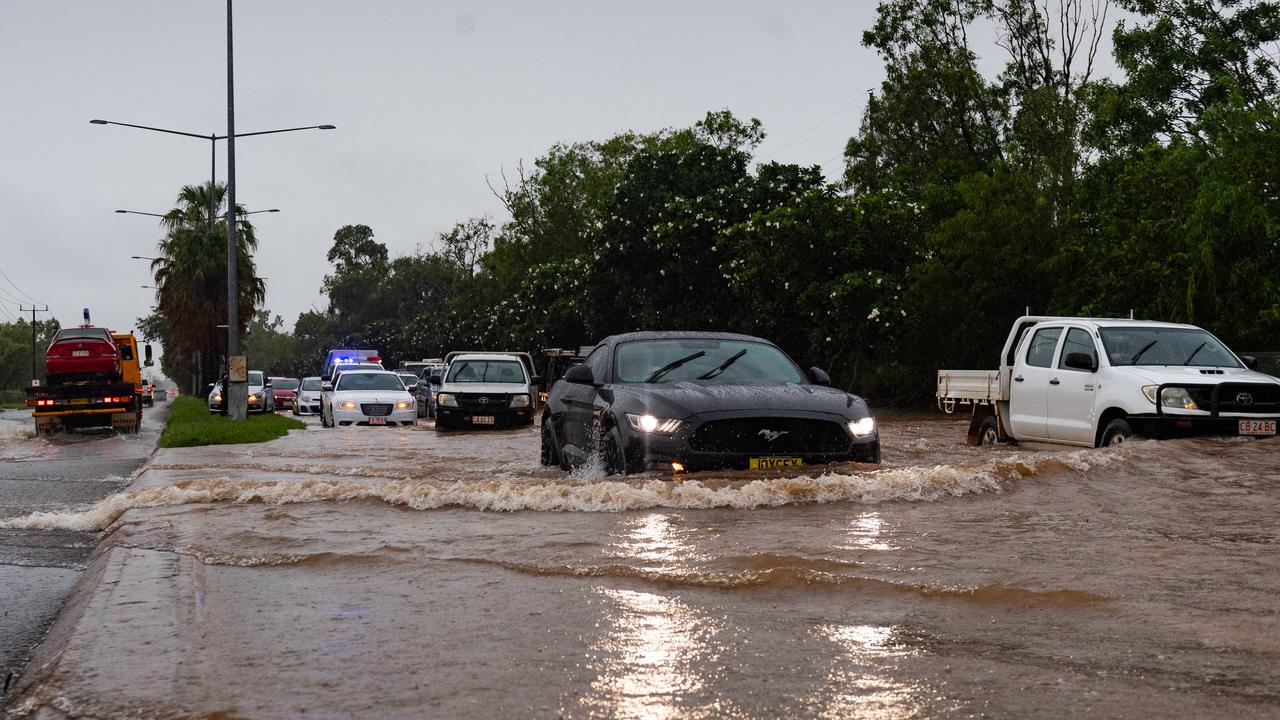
(397, 572)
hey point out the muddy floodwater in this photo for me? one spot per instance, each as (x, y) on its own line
(397, 572)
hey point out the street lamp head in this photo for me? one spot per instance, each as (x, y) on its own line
(123, 212)
(328, 127)
(95, 121)
(274, 210)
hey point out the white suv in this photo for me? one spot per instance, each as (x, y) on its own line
(484, 390)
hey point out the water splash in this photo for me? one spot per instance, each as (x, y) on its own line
(912, 484)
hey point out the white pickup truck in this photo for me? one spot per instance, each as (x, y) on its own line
(1095, 382)
(485, 389)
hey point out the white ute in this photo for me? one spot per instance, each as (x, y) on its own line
(485, 389)
(1096, 382)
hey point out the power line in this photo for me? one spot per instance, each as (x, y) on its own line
(10, 296)
(817, 125)
(15, 287)
(8, 313)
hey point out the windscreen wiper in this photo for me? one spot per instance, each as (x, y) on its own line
(674, 364)
(1193, 352)
(723, 366)
(1134, 360)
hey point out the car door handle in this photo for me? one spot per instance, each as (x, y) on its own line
(1054, 382)
(1018, 379)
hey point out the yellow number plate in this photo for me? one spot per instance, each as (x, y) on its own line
(79, 401)
(769, 463)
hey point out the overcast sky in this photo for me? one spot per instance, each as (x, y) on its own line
(428, 98)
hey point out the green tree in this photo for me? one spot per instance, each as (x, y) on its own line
(191, 281)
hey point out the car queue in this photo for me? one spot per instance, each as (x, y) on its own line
(686, 401)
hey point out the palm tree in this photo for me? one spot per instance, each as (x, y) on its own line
(191, 278)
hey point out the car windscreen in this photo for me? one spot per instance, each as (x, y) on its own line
(485, 371)
(257, 378)
(82, 334)
(311, 383)
(408, 380)
(369, 381)
(1165, 346)
(678, 360)
(284, 383)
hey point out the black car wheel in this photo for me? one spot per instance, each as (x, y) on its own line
(987, 432)
(1117, 432)
(551, 455)
(615, 460)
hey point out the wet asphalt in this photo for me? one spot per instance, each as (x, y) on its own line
(39, 568)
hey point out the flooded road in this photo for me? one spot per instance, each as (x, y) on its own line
(67, 472)
(395, 572)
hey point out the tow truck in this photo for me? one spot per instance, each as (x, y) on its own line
(108, 394)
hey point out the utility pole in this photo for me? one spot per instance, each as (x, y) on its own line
(236, 393)
(33, 310)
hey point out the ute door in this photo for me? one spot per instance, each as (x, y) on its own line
(1070, 401)
(1029, 388)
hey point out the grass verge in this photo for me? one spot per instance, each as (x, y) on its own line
(191, 424)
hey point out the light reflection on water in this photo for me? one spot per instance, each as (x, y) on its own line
(653, 657)
(864, 687)
(865, 530)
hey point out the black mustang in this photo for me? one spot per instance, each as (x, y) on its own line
(696, 400)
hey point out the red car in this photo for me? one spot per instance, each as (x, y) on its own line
(285, 390)
(85, 353)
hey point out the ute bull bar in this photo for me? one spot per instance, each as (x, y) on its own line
(1263, 399)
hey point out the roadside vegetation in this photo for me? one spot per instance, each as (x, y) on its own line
(191, 424)
(973, 189)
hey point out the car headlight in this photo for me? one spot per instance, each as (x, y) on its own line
(404, 404)
(446, 400)
(520, 401)
(650, 424)
(347, 405)
(863, 427)
(1174, 397)
(217, 397)
(253, 398)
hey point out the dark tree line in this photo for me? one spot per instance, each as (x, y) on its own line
(965, 200)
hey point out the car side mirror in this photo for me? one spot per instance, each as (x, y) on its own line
(210, 385)
(1249, 361)
(1081, 361)
(580, 375)
(819, 376)
(535, 380)
(326, 386)
(147, 352)
(434, 379)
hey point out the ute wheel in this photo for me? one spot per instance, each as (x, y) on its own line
(988, 431)
(1116, 433)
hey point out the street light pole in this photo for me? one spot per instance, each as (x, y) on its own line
(236, 398)
(33, 310)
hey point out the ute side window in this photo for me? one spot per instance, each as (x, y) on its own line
(1043, 343)
(1078, 341)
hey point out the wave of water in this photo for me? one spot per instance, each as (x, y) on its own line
(917, 484)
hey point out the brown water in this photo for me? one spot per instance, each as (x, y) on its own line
(378, 572)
